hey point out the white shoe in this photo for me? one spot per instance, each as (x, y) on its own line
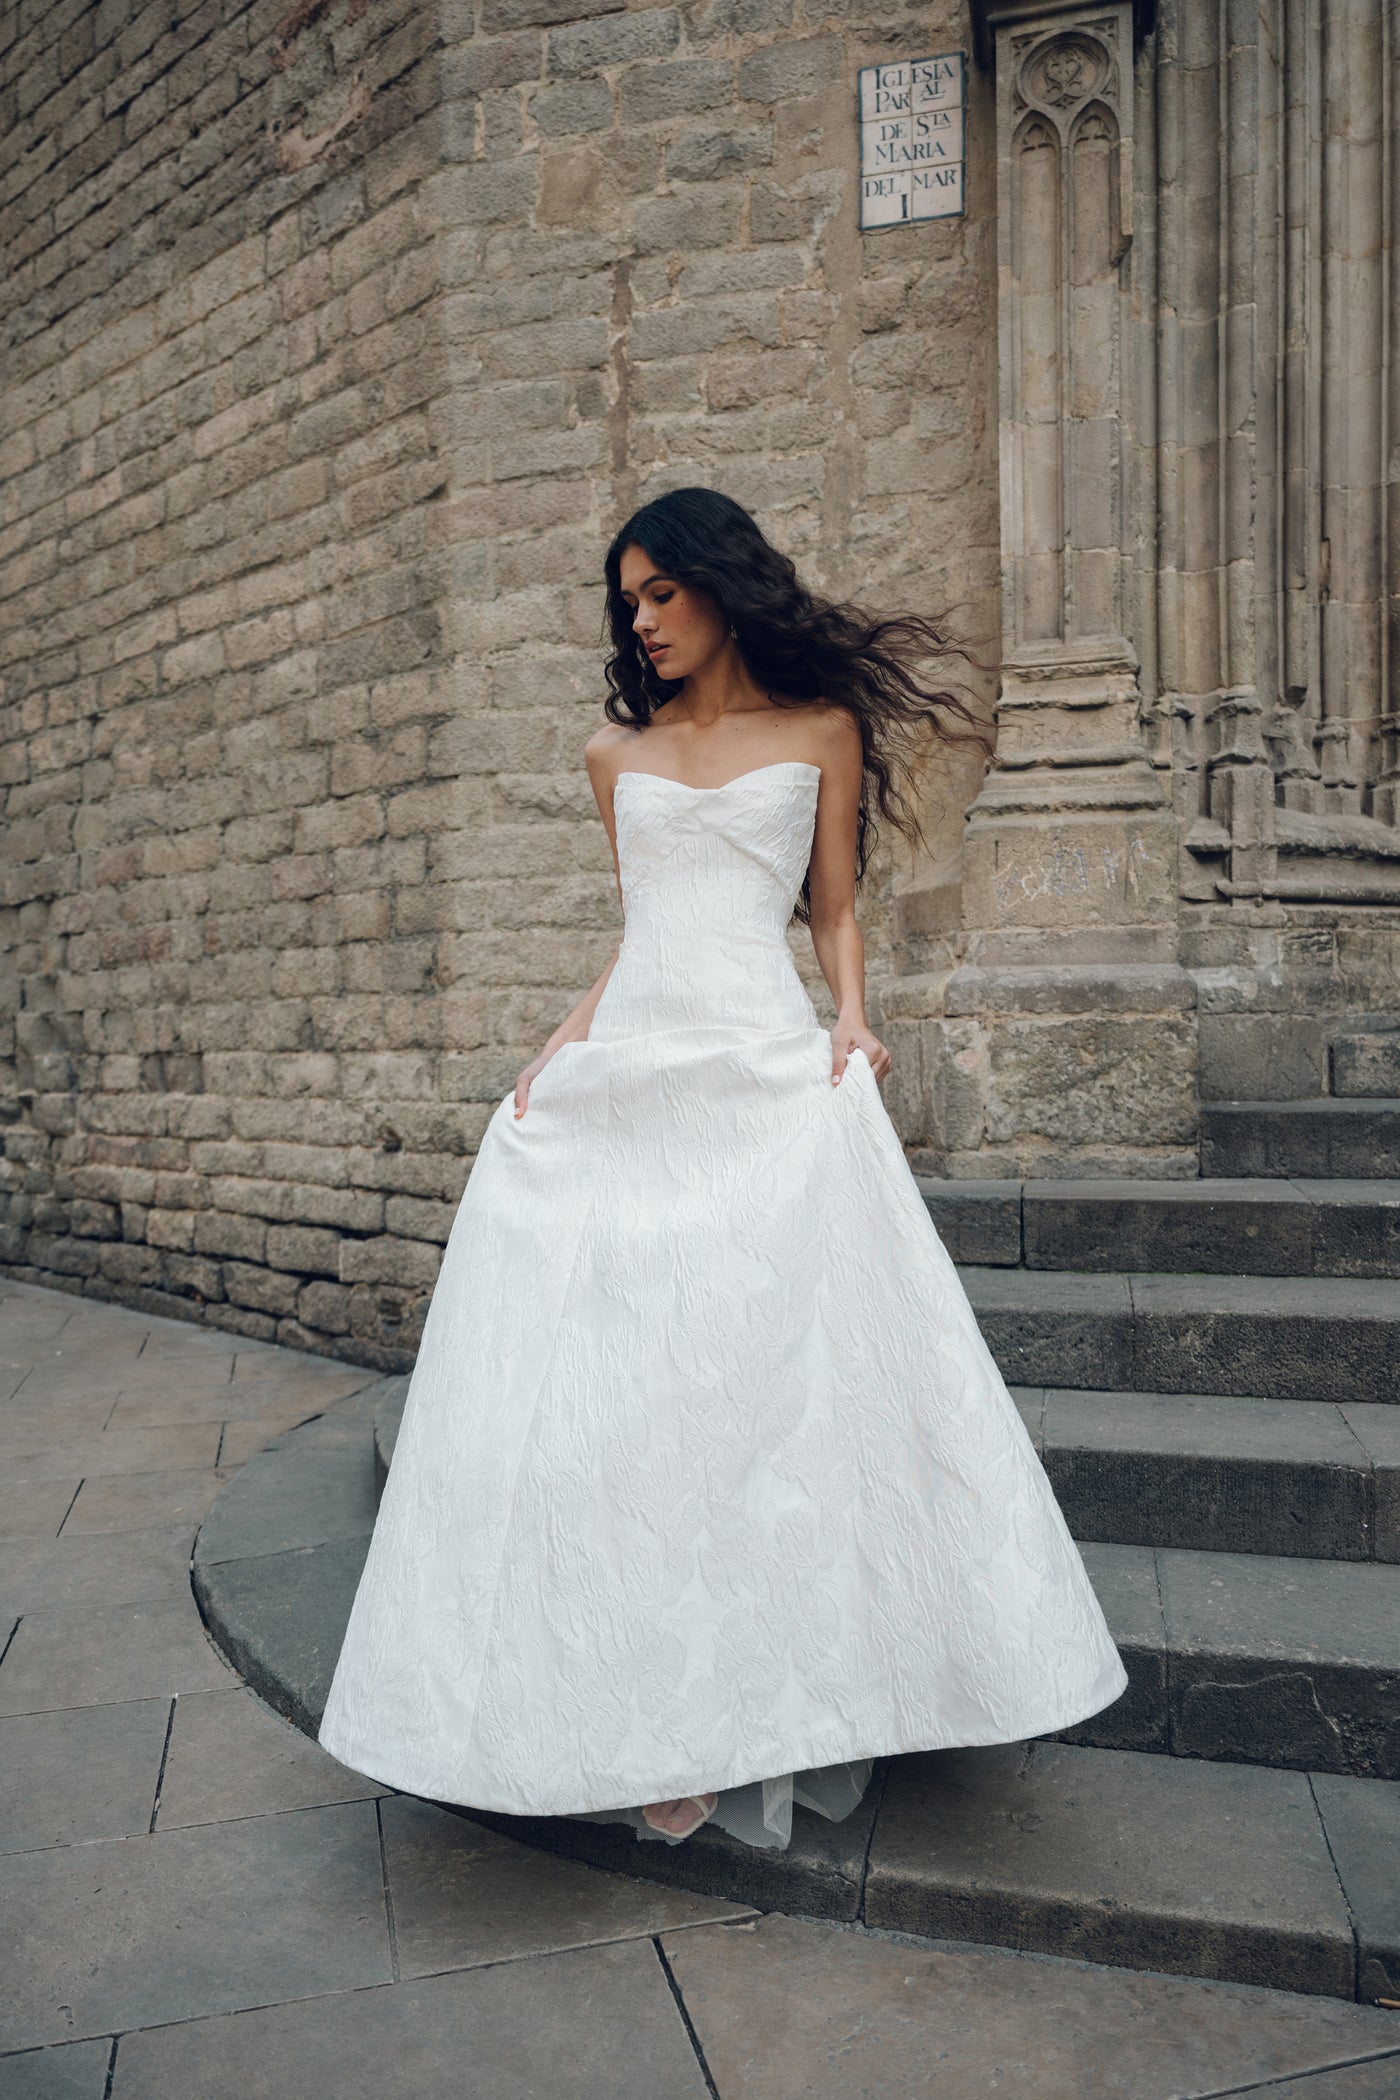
(703, 1816)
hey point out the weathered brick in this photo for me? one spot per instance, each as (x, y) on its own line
(389, 1260)
(303, 1248)
(619, 39)
(788, 68)
(576, 105)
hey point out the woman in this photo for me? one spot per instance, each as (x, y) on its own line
(708, 1491)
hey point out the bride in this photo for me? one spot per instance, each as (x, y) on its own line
(708, 1491)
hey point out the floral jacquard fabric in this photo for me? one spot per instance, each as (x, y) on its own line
(706, 1477)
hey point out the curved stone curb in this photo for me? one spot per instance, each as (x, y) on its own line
(1176, 1864)
(277, 1559)
(275, 1569)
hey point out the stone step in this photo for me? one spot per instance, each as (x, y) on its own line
(1251, 1658)
(1221, 1473)
(1193, 1865)
(1258, 1227)
(1231, 1871)
(1312, 1338)
(1353, 1140)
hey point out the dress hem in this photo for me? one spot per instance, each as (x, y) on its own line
(741, 1775)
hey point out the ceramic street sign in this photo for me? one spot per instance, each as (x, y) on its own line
(911, 140)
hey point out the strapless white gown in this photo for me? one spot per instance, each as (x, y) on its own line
(706, 1478)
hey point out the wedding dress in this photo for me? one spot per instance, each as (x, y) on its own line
(706, 1479)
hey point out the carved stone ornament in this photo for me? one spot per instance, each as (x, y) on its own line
(1064, 71)
(989, 15)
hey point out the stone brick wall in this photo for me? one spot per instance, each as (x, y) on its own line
(337, 340)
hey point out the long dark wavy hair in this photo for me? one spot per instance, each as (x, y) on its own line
(799, 647)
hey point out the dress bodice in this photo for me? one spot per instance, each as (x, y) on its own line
(709, 879)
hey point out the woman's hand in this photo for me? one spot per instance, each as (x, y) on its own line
(847, 1036)
(573, 1029)
(527, 1079)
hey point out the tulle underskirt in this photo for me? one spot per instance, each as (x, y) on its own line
(760, 1814)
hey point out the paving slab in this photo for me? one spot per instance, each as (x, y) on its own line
(192, 1447)
(70, 2071)
(272, 1359)
(110, 1568)
(230, 1756)
(147, 1405)
(1362, 1820)
(189, 1922)
(1297, 1657)
(1212, 1471)
(788, 2008)
(80, 1774)
(244, 1436)
(103, 1654)
(1162, 1863)
(600, 2024)
(140, 1501)
(35, 1508)
(109, 1355)
(37, 1420)
(196, 1372)
(175, 1340)
(28, 1304)
(463, 1894)
(73, 1380)
(141, 1407)
(274, 1376)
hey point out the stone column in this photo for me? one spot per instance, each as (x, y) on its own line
(1069, 999)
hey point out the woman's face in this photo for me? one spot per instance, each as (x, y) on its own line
(681, 630)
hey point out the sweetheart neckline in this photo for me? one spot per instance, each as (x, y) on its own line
(640, 773)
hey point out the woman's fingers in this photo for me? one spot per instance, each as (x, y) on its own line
(838, 1063)
(522, 1096)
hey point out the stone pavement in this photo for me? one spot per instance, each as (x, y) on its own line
(197, 1904)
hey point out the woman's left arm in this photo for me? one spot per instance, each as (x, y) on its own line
(836, 935)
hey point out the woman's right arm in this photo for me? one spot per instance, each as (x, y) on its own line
(601, 753)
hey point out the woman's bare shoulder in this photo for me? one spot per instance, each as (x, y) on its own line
(835, 735)
(605, 747)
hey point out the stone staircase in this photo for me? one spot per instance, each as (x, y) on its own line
(1211, 1373)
